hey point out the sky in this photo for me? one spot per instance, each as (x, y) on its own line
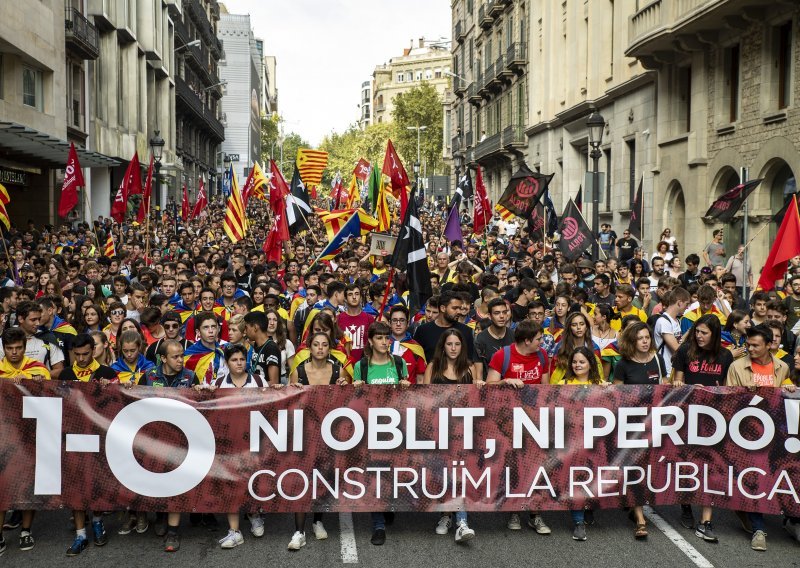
(325, 49)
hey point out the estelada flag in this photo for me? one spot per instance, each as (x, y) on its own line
(73, 178)
(361, 170)
(483, 207)
(235, 224)
(253, 185)
(147, 196)
(311, 164)
(523, 192)
(333, 220)
(576, 235)
(785, 247)
(393, 168)
(724, 208)
(635, 224)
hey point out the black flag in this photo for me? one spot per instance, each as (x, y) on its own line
(410, 255)
(299, 207)
(465, 186)
(635, 225)
(579, 199)
(523, 192)
(724, 208)
(552, 216)
(576, 235)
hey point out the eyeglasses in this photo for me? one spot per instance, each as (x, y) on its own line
(117, 312)
(398, 320)
(171, 326)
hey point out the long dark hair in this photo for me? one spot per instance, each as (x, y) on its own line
(439, 362)
(594, 372)
(695, 353)
(569, 342)
(280, 331)
(632, 267)
(376, 328)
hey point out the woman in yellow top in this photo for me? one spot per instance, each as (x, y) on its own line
(577, 333)
(581, 370)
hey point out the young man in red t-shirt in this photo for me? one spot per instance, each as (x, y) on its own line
(523, 362)
(519, 364)
(354, 322)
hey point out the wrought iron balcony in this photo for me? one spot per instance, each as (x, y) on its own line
(517, 56)
(490, 145)
(81, 35)
(192, 101)
(460, 32)
(484, 19)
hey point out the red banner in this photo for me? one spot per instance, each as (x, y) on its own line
(432, 448)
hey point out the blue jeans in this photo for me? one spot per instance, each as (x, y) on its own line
(577, 516)
(757, 521)
(378, 521)
(461, 516)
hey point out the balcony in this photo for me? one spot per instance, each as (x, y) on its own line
(460, 32)
(488, 146)
(459, 87)
(517, 56)
(493, 75)
(469, 139)
(472, 92)
(488, 75)
(495, 7)
(455, 144)
(692, 25)
(181, 33)
(81, 35)
(484, 19)
(186, 97)
(502, 70)
(514, 137)
(380, 107)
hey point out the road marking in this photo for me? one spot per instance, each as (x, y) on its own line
(677, 539)
(348, 539)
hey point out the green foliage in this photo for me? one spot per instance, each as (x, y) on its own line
(420, 106)
(344, 150)
(271, 142)
(270, 135)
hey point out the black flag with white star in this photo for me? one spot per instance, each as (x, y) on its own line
(411, 256)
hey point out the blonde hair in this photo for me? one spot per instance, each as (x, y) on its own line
(236, 322)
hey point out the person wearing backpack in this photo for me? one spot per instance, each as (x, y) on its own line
(519, 364)
(380, 367)
(667, 328)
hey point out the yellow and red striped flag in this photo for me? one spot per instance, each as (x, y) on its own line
(235, 220)
(382, 208)
(4, 200)
(504, 213)
(333, 220)
(110, 248)
(311, 164)
(254, 185)
(352, 193)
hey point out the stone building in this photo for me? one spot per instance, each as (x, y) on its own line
(727, 97)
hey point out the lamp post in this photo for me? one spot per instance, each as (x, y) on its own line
(419, 129)
(416, 178)
(458, 159)
(595, 123)
(226, 163)
(157, 146)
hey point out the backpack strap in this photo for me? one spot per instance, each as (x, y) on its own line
(507, 361)
(364, 369)
(337, 368)
(259, 381)
(398, 361)
(663, 343)
(302, 375)
(541, 358)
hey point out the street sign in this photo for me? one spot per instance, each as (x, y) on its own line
(233, 157)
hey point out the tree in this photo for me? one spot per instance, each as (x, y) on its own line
(344, 150)
(273, 146)
(420, 106)
(270, 136)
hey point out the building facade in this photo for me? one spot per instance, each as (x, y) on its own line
(425, 62)
(241, 101)
(198, 92)
(728, 90)
(365, 105)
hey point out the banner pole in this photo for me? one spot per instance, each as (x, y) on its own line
(743, 179)
(91, 217)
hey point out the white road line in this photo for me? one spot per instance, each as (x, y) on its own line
(684, 546)
(348, 539)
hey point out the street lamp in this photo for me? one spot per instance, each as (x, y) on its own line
(418, 129)
(226, 162)
(193, 43)
(157, 147)
(458, 159)
(416, 178)
(595, 123)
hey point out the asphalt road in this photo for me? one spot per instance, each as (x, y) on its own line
(411, 542)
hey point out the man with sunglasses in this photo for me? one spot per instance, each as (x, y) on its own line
(171, 322)
(625, 247)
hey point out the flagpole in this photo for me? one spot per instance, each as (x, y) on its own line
(599, 248)
(147, 236)
(91, 217)
(743, 179)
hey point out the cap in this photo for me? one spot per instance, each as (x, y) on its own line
(585, 263)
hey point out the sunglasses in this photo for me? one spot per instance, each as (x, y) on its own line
(117, 312)
(171, 326)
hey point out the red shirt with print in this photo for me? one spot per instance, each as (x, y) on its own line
(528, 368)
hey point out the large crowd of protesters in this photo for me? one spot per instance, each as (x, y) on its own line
(179, 306)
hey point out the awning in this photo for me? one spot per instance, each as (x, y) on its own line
(30, 146)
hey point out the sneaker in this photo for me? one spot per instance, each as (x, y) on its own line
(319, 530)
(172, 542)
(26, 541)
(298, 541)
(128, 523)
(78, 545)
(580, 531)
(232, 539)
(759, 541)
(464, 533)
(588, 517)
(160, 526)
(536, 522)
(378, 537)
(444, 524)
(706, 532)
(99, 531)
(2, 545)
(14, 520)
(792, 528)
(513, 522)
(256, 525)
(687, 517)
(142, 524)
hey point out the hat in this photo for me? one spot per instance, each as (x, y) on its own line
(585, 263)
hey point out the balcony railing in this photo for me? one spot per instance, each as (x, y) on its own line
(460, 32)
(459, 86)
(488, 146)
(659, 16)
(488, 75)
(495, 7)
(469, 139)
(193, 101)
(484, 19)
(514, 136)
(81, 35)
(517, 56)
(455, 144)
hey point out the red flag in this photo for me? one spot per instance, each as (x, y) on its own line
(361, 170)
(73, 177)
(144, 206)
(483, 207)
(393, 167)
(202, 200)
(185, 205)
(278, 188)
(785, 246)
(135, 172)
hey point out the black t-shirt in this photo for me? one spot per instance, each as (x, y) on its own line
(518, 313)
(626, 246)
(102, 372)
(486, 345)
(633, 373)
(709, 374)
(428, 335)
(264, 357)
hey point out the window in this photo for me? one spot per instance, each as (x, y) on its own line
(428, 74)
(409, 76)
(685, 90)
(418, 75)
(469, 7)
(401, 77)
(32, 87)
(437, 73)
(731, 69)
(488, 53)
(121, 94)
(509, 30)
(630, 146)
(784, 64)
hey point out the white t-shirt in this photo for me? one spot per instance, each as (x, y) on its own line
(48, 354)
(666, 324)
